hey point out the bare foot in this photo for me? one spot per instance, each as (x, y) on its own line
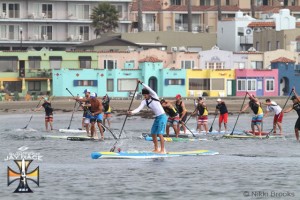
(155, 151)
(162, 152)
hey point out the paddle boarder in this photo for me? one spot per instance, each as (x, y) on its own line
(182, 113)
(95, 114)
(173, 119)
(48, 112)
(107, 110)
(151, 100)
(223, 117)
(202, 113)
(296, 107)
(255, 106)
(86, 109)
(272, 106)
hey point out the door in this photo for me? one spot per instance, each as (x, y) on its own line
(259, 91)
(153, 83)
(229, 88)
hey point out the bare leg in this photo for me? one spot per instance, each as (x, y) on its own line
(82, 124)
(51, 125)
(225, 126)
(46, 125)
(168, 130)
(259, 129)
(176, 130)
(101, 130)
(280, 127)
(184, 129)
(205, 127)
(108, 122)
(297, 134)
(220, 124)
(162, 143)
(252, 128)
(93, 129)
(154, 138)
(87, 128)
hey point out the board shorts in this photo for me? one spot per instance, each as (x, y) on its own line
(159, 125)
(278, 118)
(202, 119)
(223, 117)
(49, 117)
(257, 119)
(107, 116)
(297, 125)
(97, 118)
(184, 117)
(173, 120)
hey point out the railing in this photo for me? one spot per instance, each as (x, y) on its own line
(184, 27)
(38, 73)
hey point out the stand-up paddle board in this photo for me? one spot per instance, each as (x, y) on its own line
(253, 137)
(177, 139)
(145, 154)
(72, 131)
(69, 137)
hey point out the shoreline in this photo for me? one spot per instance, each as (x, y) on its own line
(120, 106)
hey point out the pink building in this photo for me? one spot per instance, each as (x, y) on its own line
(257, 82)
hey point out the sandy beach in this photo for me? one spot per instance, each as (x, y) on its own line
(119, 106)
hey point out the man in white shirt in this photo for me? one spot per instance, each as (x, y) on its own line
(159, 126)
(272, 106)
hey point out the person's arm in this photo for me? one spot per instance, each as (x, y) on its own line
(138, 109)
(288, 109)
(37, 109)
(152, 93)
(245, 108)
(184, 111)
(296, 95)
(267, 112)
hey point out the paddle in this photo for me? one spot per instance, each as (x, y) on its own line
(239, 114)
(72, 114)
(211, 127)
(188, 129)
(104, 127)
(268, 135)
(32, 114)
(114, 146)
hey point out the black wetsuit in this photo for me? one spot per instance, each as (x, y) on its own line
(48, 108)
(296, 107)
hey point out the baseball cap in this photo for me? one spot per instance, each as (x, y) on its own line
(219, 99)
(93, 95)
(178, 96)
(86, 91)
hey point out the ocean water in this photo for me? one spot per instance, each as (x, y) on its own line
(245, 169)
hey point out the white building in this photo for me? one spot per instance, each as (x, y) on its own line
(56, 24)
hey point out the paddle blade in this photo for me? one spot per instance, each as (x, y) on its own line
(210, 130)
(112, 149)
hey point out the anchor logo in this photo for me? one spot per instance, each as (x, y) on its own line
(23, 176)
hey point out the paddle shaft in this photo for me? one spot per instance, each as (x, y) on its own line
(281, 110)
(210, 130)
(190, 115)
(239, 114)
(114, 146)
(72, 114)
(32, 114)
(188, 129)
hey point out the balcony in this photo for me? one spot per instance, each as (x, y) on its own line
(38, 73)
(246, 39)
(195, 27)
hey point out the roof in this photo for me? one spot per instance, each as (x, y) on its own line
(150, 59)
(106, 39)
(147, 6)
(261, 24)
(275, 9)
(283, 60)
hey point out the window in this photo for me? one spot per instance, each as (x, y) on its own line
(110, 85)
(34, 85)
(110, 64)
(199, 84)
(85, 62)
(13, 10)
(3, 32)
(46, 32)
(215, 65)
(126, 85)
(47, 10)
(241, 84)
(270, 85)
(257, 65)
(119, 8)
(12, 86)
(204, 2)
(269, 46)
(251, 85)
(239, 65)
(187, 64)
(217, 84)
(84, 32)
(55, 62)
(83, 11)
(13, 32)
(174, 81)
(34, 62)
(227, 2)
(8, 63)
(176, 2)
(277, 44)
(85, 82)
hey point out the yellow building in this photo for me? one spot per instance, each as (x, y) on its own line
(213, 83)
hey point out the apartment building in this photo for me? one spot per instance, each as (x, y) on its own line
(56, 24)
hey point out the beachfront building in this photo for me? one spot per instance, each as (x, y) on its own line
(288, 75)
(58, 25)
(262, 82)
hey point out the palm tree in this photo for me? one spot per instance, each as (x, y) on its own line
(105, 18)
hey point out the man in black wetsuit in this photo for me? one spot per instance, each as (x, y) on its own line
(48, 112)
(296, 107)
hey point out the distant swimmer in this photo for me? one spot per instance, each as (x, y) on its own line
(182, 112)
(107, 110)
(296, 107)
(223, 117)
(158, 128)
(48, 113)
(202, 113)
(173, 119)
(272, 106)
(255, 106)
